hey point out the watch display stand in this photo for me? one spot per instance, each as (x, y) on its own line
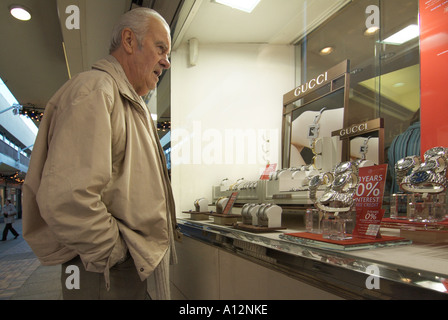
(420, 209)
(399, 206)
(425, 186)
(313, 220)
(223, 215)
(201, 210)
(264, 217)
(334, 215)
(338, 227)
(427, 207)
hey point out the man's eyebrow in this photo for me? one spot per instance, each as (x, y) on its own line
(163, 45)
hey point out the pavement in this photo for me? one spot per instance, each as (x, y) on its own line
(22, 277)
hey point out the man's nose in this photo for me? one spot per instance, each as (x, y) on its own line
(165, 62)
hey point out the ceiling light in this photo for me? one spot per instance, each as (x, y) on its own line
(20, 12)
(404, 35)
(371, 31)
(243, 5)
(325, 51)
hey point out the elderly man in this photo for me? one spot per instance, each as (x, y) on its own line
(97, 197)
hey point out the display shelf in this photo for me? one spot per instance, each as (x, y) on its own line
(405, 271)
(313, 239)
(414, 225)
(256, 229)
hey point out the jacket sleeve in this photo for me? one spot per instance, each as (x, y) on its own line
(77, 169)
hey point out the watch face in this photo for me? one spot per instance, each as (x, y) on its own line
(404, 163)
(314, 182)
(419, 177)
(430, 164)
(339, 181)
(326, 196)
(342, 167)
(435, 152)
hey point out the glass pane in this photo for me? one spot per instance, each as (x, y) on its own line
(384, 76)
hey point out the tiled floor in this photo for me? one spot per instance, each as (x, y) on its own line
(21, 275)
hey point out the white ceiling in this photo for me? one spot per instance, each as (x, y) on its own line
(272, 21)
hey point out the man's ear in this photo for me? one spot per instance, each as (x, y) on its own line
(128, 40)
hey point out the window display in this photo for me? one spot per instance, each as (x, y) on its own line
(341, 155)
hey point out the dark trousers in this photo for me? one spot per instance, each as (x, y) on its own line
(8, 227)
(79, 284)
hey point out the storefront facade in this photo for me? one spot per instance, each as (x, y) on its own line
(230, 120)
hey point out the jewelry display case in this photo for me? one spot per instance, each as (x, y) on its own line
(400, 270)
(320, 217)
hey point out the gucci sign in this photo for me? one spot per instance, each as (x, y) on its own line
(338, 71)
(320, 79)
(353, 130)
(359, 128)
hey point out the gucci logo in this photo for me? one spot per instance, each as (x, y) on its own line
(311, 84)
(353, 129)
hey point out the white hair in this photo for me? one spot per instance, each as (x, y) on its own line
(137, 20)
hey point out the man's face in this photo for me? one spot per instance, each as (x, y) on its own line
(150, 60)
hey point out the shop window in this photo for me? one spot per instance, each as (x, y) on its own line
(384, 77)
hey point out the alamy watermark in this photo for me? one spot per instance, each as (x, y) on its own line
(73, 20)
(222, 146)
(373, 281)
(73, 280)
(373, 18)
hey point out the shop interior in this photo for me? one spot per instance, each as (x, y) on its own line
(228, 115)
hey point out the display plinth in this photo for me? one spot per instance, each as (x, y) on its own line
(194, 215)
(256, 229)
(425, 236)
(424, 232)
(414, 225)
(225, 219)
(317, 240)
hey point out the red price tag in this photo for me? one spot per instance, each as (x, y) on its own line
(368, 222)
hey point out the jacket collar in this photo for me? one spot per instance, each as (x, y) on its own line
(111, 65)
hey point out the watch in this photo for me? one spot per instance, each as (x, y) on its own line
(424, 181)
(345, 182)
(403, 166)
(364, 148)
(345, 167)
(313, 129)
(326, 197)
(332, 201)
(436, 151)
(436, 164)
(318, 180)
(345, 199)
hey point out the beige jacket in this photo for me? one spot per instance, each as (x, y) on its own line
(97, 184)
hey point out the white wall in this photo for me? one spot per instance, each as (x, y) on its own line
(222, 112)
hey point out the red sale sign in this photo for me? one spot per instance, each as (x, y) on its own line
(369, 199)
(370, 190)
